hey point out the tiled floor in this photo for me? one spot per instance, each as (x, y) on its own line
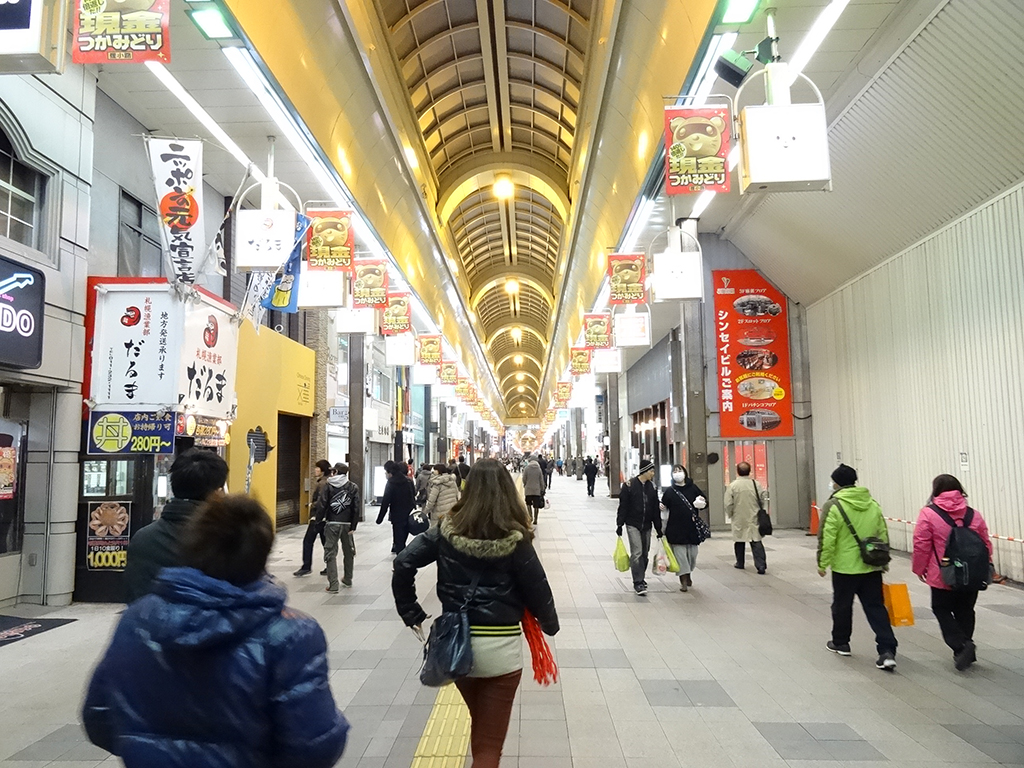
(732, 673)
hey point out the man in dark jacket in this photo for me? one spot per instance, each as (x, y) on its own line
(422, 483)
(590, 470)
(315, 528)
(195, 474)
(211, 668)
(397, 504)
(638, 511)
(464, 470)
(339, 510)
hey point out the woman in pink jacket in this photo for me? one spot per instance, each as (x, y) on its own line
(954, 609)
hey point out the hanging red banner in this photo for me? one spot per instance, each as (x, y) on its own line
(579, 361)
(330, 240)
(696, 150)
(449, 373)
(398, 315)
(752, 342)
(430, 350)
(627, 273)
(461, 387)
(129, 31)
(370, 282)
(563, 393)
(597, 330)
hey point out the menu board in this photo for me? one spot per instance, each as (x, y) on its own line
(755, 392)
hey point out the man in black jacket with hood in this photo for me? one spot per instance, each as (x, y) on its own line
(639, 509)
(339, 511)
(397, 504)
(195, 474)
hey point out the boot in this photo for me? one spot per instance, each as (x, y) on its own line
(682, 582)
(740, 549)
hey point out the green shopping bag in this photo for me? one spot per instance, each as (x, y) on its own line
(673, 564)
(621, 556)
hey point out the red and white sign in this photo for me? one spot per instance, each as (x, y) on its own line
(627, 273)
(398, 314)
(579, 361)
(370, 282)
(331, 239)
(752, 343)
(597, 330)
(696, 149)
(178, 174)
(129, 31)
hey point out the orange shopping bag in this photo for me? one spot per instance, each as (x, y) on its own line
(897, 603)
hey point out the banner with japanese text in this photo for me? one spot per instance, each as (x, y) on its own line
(563, 393)
(462, 387)
(430, 350)
(398, 315)
(331, 239)
(178, 174)
(627, 273)
(106, 540)
(130, 31)
(597, 330)
(752, 347)
(449, 373)
(697, 144)
(206, 384)
(284, 292)
(370, 282)
(579, 361)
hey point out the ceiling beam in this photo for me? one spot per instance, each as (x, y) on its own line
(498, 281)
(483, 16)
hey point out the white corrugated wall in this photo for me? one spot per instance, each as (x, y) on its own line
(921, 360)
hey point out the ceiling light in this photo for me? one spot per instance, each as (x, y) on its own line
(504, 189)
(211, 23)
(517, 334)
(740, 11)
(518, 359)
(511, 286)
(520, 388)
(520, 376)
(814, 37)
(522, 406)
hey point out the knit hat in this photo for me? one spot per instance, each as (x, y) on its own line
(844, 476)
(646, 466)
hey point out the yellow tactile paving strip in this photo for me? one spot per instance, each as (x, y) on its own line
(445, 738)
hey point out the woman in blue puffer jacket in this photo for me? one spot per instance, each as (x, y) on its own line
(212, 669)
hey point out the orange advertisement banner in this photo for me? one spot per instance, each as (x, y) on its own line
(579, 361)
(398, 315)
(130, 31)
(430, 350)
(563, 393)
(449, 373)
(752, 347)
(461, 387)
(627, 273)
(697, 147)
(370, 282)
(330, 240)
(597, 330)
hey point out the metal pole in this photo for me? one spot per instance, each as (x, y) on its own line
(614, 436)
(676, 421)
(696, 416)
(356, 404)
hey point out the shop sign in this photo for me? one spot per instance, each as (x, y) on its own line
(461, 387)
(627, 273)
(752, 347)
(178, 174)
(370, 282)
(633, 330)
(696, 149)
(449, 373)
(338, 414)
(357, 320)
(430, 350)
(22, 302)
(206, 382)
(563, 393)
(130, 432)
(579, 361)
(597, 330)
(398, 315)
(106, 540)
(284, 292)
(8, 472)
(678, 274)
(262, 239)
(399, 351)
(607, 360)
(321, 289)
(136, 346)
(205, 431)
(331, 240)
(132, 31)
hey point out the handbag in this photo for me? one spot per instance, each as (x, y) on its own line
(873, 551)
(703, 529)
(447, 654)
(621, 556)
(897, 604)
(764, 520)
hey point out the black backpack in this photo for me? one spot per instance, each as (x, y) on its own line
(964, 566)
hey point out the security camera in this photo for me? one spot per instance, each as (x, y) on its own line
(733, 67)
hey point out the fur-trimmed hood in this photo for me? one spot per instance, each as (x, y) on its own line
(485, 549)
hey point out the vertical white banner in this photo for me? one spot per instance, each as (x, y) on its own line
(178, 176)
(206, 383)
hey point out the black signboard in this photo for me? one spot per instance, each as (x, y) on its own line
(22, 297)
(15, 14)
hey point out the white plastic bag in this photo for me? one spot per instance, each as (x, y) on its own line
(659, 561)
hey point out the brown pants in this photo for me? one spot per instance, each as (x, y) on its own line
(490, 706)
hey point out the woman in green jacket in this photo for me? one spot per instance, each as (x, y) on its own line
(851, 576)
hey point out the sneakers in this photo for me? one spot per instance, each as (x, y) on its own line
(641, 589)
(842, 650)
(302, 572)
(346, 584)
(887, 662)
(332, 591)
(967, 656)
(761, 571)
(323, 572)
(740, 567)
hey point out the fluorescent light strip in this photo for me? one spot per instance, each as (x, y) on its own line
(643, 213)
(815, 36)
(710, 77)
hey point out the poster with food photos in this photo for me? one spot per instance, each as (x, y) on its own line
(697, 144)
(370, 282)
(106, 538)
(627, 274)
(398, 314)
(597, 330)
(751, 332)
(331, 240)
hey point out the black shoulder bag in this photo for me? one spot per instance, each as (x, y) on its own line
(703, 530)
(447, 655)
(873, 551)
(764, 520)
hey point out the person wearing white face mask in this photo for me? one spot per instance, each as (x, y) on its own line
(685, 529)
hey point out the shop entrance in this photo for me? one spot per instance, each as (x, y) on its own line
(772, 463)
(289, 469)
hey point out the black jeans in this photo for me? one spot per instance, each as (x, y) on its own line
(756, 549)
(399, 533)
(590, 486)
(868, 587)
(955, 613)
(312, 531)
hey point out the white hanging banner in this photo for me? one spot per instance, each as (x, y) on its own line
(206, 381)
(607, 360)
(632, 329)
(359, 320)
(178, 175)
(678, 273)
(424, 375)
(263, 240)
(321, 287)
(400, 350)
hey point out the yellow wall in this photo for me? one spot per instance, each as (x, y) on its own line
(275, 375)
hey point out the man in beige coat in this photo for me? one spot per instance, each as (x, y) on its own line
(741, 508)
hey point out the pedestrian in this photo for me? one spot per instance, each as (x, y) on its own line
(639, 511)
(442, 493)
(851, 506)
(744, 498)
(397, 504)
(533, 487)
(558, 464)
(487, 566)
(549, 470)
(211, 668)
(463, 469)
(422, 482)
(196, 474)
(685, 530)
(339, 508)
(953, 605)
(315, 528)
(590, 470)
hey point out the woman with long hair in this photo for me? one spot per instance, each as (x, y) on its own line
(485, 561)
